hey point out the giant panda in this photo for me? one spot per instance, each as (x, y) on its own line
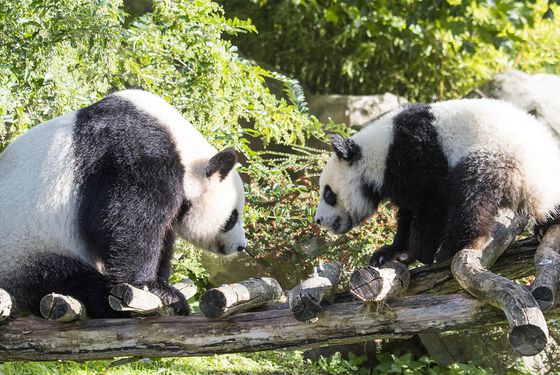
(448, 167)
(95, 198)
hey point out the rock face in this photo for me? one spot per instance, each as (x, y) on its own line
(353, 110)
(538, 94)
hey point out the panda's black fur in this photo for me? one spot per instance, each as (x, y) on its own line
(129, 196)
(443, 206)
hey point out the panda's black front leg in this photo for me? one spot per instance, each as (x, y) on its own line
(398, 250)
(169, 295)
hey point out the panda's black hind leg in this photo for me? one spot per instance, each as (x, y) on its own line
(55, 273)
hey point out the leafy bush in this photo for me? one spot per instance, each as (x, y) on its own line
(422, 50)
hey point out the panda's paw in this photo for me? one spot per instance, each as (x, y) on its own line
(171, 297)
(388, 253)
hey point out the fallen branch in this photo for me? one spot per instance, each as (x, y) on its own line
(528, 332)
(547, 264)
(37, 339)
(375, 284)
(245, 295)
(306, 298)
(61, 308)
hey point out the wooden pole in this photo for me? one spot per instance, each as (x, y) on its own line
(375, 284)
(306, 298)
(37, 339)
(547, 264)
(245, 295)
(528, 333)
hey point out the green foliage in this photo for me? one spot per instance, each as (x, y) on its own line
(422, 50)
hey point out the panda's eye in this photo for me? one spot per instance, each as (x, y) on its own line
(329, 196)
(230, 223)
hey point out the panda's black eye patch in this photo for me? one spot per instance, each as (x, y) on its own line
(230, 223)
(329, 196)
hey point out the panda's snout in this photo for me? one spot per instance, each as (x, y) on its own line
(318, 220)
(240, 248)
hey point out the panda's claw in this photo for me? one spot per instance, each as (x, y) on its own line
(388, 253)
(172, 297)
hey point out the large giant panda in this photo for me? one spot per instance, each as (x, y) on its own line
(448, 167)
(95, 197)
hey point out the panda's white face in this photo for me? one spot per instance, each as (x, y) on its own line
(214, 217)
(347, 196)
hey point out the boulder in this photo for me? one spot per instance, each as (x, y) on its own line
(353, 110)
(538, 94)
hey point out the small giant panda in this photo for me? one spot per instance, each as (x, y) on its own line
(95, 197)
(448, 167)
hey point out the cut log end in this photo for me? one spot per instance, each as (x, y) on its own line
(307, 310)
(61, 308)
(544, 296)
(125, 297)
(374, 284)
(213, 303)
(528, 339)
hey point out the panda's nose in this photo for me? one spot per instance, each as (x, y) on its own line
(240, 248)
(318, 220)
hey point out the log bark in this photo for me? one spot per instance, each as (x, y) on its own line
(233, 298)
(528, 332)
(375, 284)
(547, 264)
(125, 297)
(36, 339)
(306, 298)
(61, 308)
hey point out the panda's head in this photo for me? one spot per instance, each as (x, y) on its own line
(349, 192)
(211, 216)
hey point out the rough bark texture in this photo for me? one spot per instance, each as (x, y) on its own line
(61, 308)
(515, 263)
(547, 264)
(370, 283)
(528, 332)
(34, 338)
(125, 297)
(233, 298)
(306, 298)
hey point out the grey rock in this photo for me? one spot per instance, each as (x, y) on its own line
(353, 110)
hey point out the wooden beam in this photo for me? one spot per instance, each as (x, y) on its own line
(37, 339)
(547, 264)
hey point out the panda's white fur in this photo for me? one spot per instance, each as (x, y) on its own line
(465, 132)
(39, 197)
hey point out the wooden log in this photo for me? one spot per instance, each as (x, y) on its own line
(61, 308)
(515, 263)
(232, 298)
(306, 298)
(35, 339)
(7, 305)
(125, 297)
(528, 333)
(377, 284)
(547, 264)
(187, 287)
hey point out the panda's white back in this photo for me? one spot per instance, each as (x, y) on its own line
(467, 124)
(37, 197)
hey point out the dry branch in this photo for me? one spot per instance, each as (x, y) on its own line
(61, 308)
(380, 283)
(245, 295)
(125, 297)
(305, 299)
(37, 339)
(528, 333)
(547, 264)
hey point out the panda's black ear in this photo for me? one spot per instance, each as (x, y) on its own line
(223, 162)
(346, 148)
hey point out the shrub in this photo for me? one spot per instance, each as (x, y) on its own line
(422, 50)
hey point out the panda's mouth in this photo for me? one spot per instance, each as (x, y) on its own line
(340, 227)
